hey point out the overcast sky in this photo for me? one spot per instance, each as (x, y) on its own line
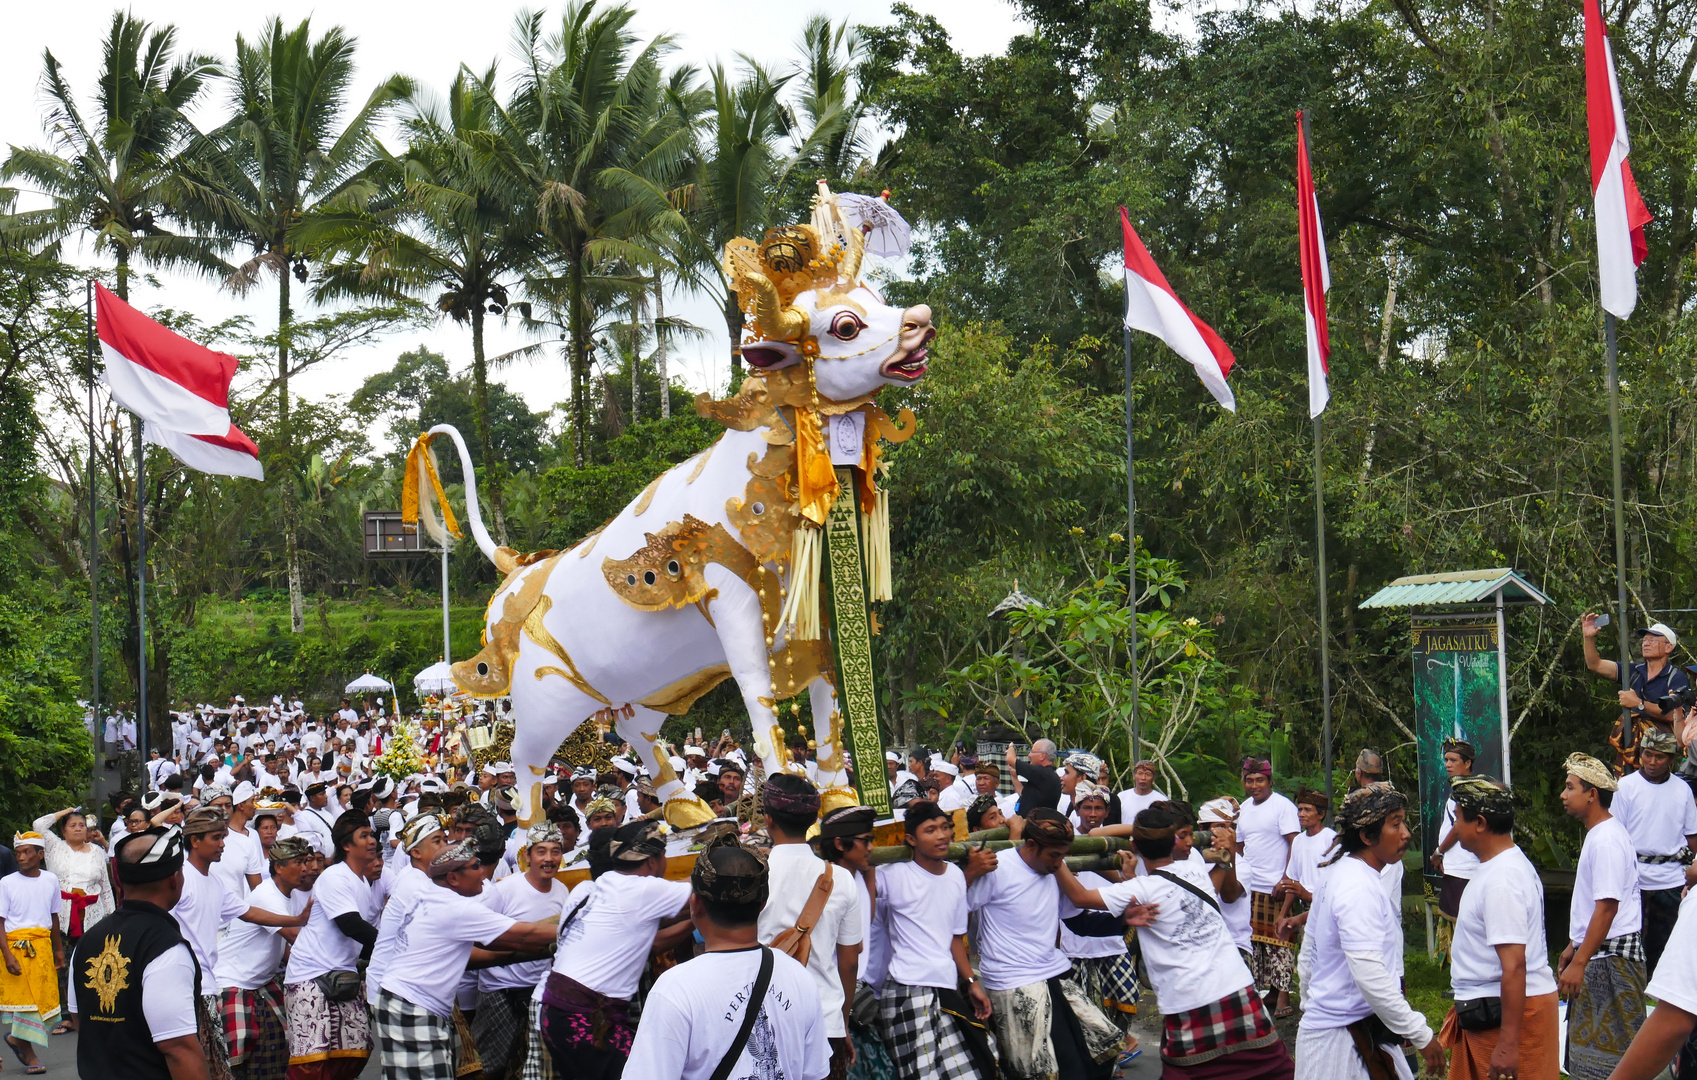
(428, 39)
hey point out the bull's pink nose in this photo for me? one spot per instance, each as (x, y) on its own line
(916, 317)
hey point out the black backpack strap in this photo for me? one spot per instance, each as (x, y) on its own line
(756, 1002)
(1187, 886)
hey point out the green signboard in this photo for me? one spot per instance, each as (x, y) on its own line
(1457, 693)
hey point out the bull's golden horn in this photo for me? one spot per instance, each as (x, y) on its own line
(775, 320)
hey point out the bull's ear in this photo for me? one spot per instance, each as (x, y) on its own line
(770, 355)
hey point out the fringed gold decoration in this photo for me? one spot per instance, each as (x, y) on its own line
(801, 604)
(878, 548)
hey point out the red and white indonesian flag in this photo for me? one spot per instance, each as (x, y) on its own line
(1152, 307)
(1316, 277)
(179, 389)
(230, 454)
(1620, 213)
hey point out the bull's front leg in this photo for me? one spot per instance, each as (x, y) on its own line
(641, 728)
(828, 734)
(742, 634)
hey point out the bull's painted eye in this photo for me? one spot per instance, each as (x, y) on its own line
(846, 326)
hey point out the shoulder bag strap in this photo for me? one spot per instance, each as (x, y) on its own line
(1188, 887)
(756, 1002)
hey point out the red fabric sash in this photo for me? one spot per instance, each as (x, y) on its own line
(78, 900)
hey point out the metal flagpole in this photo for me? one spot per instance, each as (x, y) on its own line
(1325, 625)
(1627, 735)
(141, 596)
(1131, 554)
(93, 552)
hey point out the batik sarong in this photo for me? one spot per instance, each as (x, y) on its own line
(416, 1044)
(254, 1034)
(1274, 957)
(321, 1030)
(1608, 1010)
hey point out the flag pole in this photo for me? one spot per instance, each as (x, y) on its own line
(1627, 727)
(93, 554)
(1131, 553)
(1320, 560)
(141, 595)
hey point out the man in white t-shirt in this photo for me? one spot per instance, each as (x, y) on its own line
(30, 904)
(1142, 792)
(504, 991)
(1210, 1010)
(1302, 873)
(338, 937)
(415, 1004)
(1266, 825)
(206, 906)
(1658, 812)
(422, 838)
(1498, 950)
(1351, 996)
(1455, 863)
(1038, 1033)
(609, 927)
(250, 964)
(739, 1001)
(1601, 971)
(791, 806)
(317, 818)
(923, 911)
(242, 866)
(1667, 1034)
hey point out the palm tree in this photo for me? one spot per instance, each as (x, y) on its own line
(828, 105)
(107, 178)
(589, 129)
(286, 152)
(457, 224)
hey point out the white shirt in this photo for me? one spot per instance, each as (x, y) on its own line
(1131, 803)
(516, 898)
(1085, 948)
(203, 909)
(433, 947)
(925, 913)
(1608, 870)
(1192, 956)
(1306, 854)
(1503, 905)
(242, 856)
(408, 887)
(1458, 861)
(957, 796)
(695, 1010)
(30, 902)
(605, 946)
(250, 955)
(321, 946)
(1676, 983)
(1018, 913)
(1262, 828)
(793, 870)
(1351, 914)
(315, 827)
(1658, 818)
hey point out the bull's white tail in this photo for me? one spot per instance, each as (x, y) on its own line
(474, 513)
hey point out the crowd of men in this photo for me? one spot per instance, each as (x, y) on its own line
(320, 923)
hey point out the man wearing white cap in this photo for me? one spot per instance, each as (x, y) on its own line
(695, 766)
(954, 795)
(1650, 683)
(242, 867)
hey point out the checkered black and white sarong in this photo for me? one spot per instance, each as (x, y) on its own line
(499, 1028)
(924, 1042)
(538, 1062)
(416, 1044)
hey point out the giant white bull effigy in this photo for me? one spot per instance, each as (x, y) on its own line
(751, 561)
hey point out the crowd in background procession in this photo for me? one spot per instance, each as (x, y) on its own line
(326, 913)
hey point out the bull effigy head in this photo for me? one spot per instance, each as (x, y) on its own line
(801, 291)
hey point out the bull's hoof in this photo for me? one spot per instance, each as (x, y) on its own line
(835, 798)
(686, 812)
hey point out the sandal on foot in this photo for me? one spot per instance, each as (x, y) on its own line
(63, 1028)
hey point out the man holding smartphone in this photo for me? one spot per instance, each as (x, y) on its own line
(1649, 683)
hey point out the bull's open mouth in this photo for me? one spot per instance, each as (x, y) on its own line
(910, 368)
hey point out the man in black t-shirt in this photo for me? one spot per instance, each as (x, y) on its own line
(1035, 779)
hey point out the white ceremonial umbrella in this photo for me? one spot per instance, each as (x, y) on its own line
(438, 678)
(369, 684)
(888, 234)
